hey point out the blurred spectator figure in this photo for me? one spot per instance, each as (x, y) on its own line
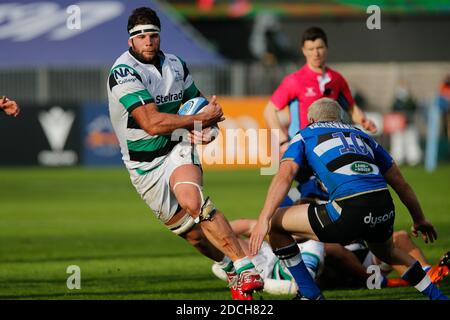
(267, 42)
(205, 5)
(10, 107)
(405, 146)
(444, 89)
(444, 103)
(237, 8)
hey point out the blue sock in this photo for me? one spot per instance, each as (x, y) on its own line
(422, 282)
(383, 281)
(291, 258)
(432, 292)
(311, 262)
(426, 268)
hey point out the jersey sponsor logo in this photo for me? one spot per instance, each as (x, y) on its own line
(124, 75)
(361, 167)
(310, 92)
(348, 170)
(178, 75)
(373, 221)
(159, 99)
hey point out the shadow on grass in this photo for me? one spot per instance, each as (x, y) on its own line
(106, 295)
(97, 257)
(157, 284)
(406, 293)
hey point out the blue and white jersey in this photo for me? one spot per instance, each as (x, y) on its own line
(346, 160)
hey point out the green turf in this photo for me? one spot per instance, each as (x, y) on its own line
(53, 218)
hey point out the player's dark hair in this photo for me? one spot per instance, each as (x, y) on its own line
(143, 15)
(314, 33)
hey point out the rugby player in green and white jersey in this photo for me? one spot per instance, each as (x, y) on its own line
(145, 90)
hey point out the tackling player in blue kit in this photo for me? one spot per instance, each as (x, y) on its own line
(355, 170)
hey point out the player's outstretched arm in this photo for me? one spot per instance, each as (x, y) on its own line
(243, 227)
(407, 195)
(156, 123)
(359, 117)
(273, 122)
(278, 190)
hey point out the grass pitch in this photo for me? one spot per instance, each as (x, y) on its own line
(93, 218)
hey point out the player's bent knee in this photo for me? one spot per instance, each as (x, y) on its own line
(195, 204)
(191, 205)
(189, 196)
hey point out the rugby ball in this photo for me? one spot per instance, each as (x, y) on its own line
(192, 106)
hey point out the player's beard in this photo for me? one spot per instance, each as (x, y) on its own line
(143, 57)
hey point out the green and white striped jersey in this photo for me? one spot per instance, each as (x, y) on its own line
(132, 84)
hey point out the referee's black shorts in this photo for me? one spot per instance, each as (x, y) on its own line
(369, 216)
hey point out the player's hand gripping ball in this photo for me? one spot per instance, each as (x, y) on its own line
(195, 106)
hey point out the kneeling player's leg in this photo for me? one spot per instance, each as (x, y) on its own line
(313, 255)
(346, 262)
(285, 222)
(415, 275)
(404, 242)
(293, 220)
(393, 256)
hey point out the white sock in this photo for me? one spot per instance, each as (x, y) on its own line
(226, 264)
(244, 264)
